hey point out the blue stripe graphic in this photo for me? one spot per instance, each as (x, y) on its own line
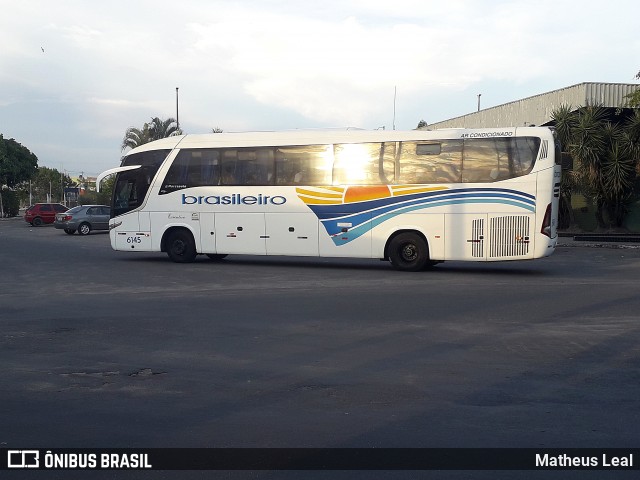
(363, 216)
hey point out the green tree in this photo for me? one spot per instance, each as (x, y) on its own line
(17, 165)
(156, 129)
(134, 137)
(163, 128)
(633, 99)
(103, 197)
(9, 203)
(605, 158)
(48, 185)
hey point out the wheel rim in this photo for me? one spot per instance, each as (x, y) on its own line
(179, 247)
(408, 252)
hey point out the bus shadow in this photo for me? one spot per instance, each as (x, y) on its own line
(354, 264)
(492, 269)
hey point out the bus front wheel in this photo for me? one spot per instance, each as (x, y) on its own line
(408, 252)
(181, 247)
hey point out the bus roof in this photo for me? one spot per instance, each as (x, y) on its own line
(305, 137)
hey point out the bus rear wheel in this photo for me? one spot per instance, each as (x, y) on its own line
(181, 247)
(408, 252)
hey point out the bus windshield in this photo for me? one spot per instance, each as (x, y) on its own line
(131, 186)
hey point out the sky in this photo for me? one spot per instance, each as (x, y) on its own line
(74, 75)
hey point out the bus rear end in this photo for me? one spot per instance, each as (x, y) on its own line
(548, 202)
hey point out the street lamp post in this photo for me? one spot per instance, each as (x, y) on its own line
(177, 113)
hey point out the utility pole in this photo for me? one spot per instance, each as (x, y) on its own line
(479, 95)
(177, 113)
(395, 90)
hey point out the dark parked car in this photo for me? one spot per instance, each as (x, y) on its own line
(84, 218)
(41, 213)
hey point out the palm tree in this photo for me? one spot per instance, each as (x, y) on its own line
(134, 137)
(163, 128)
(154, 130)
(605, 157)
(633, 99)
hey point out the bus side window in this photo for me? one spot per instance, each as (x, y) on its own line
(437, 161)
(262, 167)
(247, 166)
(357, 164)
(192, 168)
(228, 174)
(525, 153)
(486, 160)
(178, 174)
(388, 162)
(210, 167)
(304, 165)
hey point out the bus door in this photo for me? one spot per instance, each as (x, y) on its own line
(240, 233)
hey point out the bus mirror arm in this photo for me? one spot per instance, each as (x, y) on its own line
(112, 171)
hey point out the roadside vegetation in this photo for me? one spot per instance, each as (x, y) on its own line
(604, 153)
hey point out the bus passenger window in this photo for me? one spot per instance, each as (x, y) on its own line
(229, 166)
(388, 163)
(486, 160)
(260, 168)
(491, 160)
(209, 167)
(304, 165)
(357, 164)
(192, 168)
(525, 154)
(437, 161)
(247, 166)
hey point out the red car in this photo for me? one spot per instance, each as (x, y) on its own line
(41, 213)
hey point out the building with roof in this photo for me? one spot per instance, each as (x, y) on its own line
(536, 110)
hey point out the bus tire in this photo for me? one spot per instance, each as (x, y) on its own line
(216, 257)
(181, 248)
(408, 252)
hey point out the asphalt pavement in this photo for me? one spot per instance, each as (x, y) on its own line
(115, 349)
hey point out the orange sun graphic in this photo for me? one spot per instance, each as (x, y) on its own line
(364, 193)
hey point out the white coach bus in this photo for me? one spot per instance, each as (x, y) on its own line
(414, 198)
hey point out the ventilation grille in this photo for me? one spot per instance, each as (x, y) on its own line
(477, 238)
(544, 149)
(509, 236)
